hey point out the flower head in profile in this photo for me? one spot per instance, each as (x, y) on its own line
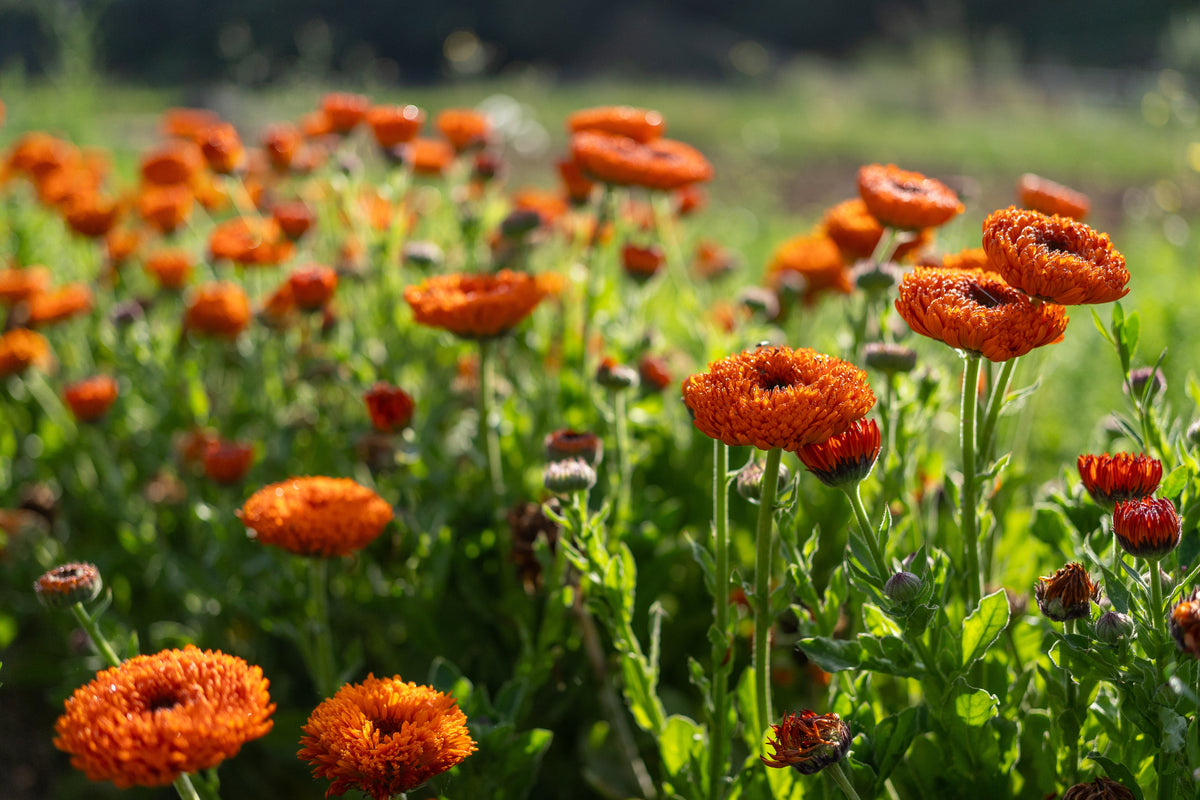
(312, 286)
(639, 124)
(227, 461)
(569, 443)
(384, 737)
(977, 312)
(390, 407)
(280, 142)
(808, 742)
(222, 148)
(21, 349)
(1185, 624)
(814, 258)
(657, 164)
(476, 306)
(218, 309)
(1100, 789)
(393, 125)
(1123, 476)
(1055, 259)
(777, 397)
(56, 305)
(1040, 194)
(857, 233)
(845, 459)
(464, 128)
(344, 110)
(316, 516)
(905, 199)
(155, 717)
(1148, 528)
(1067, 594)
(68, 584)
(90, 398)
(21, 283)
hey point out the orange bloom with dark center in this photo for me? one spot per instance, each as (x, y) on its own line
(21, 349)
(92, 215)
(550, 207)
(227, 462)
(464, 127)
(344, 110)
(476, 306)
(17, 284)
(971, 258)
(37, 153)
(218, 309)
(428, 157)
(808, 742)
(904, 199)
(1054, 258)
(68, 584)
(294, 218)
(857, 233)
(1048, 197)
(1067, 594)
(977, 312)
(393, 125)
(312, 286)
(165, 208)
(639, 124)
(188, 123)
(171, 269)
(658, 164)
(777, 397)
(642, 262)
(222, 148)
(1147, 528)
(156, 717)
(1185, 623)
(90, 398)
(172, 163)
(59, 304)
(384, 737)
(280, 142)
(390, 407)
(844, 459)
(817, 260)
(1123, 476)
(316, 516)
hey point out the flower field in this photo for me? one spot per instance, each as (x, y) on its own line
(367, 451)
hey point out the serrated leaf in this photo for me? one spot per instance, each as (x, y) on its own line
(976, 708)
(832, 655)
(983, 626)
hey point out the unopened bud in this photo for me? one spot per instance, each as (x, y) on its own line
(68, 584)
(890, 358)
(569, 475)
(902, 587)
(750, 478)
(1113, 626)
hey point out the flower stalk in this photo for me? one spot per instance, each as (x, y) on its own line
(721, 656)
(487, 430)
(763, 548)
(969, 525)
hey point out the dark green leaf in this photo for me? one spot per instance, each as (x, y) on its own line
(832, 655)
(983, 626)
(1118, 772)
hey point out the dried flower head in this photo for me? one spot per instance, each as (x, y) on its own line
(808, 742)
(1100, 789)
(846, 458)
(658, 164)
(21, 349)
(464, 128)
(1055, 259)
(528, 522)
(639, 124)
(817, 259)
(777, 397)
(1123, 476)
(90, 398)
(903, 199)
(1048, 197)
(68, 584)
(476, 306)
(218, 309)
(1067, 594)
(1149, 528)
(977, 312)
(384, 737)
(390, 407)
(316, 516)
(155, 717)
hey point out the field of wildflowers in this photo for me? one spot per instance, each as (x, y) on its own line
(334, 461)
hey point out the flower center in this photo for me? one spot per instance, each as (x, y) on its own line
(1056, 244)
(907, 187)
(981, 296)
(162, 701)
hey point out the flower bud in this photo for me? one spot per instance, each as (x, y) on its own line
(1193, 433)
(423, 255)
(902, 587)
(68, 584)
(1099, 789)
(612, 375)
(872, 277)
(1142, 376)
(1113, 626)
(750, 478)
(568, 476)
(845, 459)
(1148, 528)
(1185, 624)
(890, 358)
(1067, 594)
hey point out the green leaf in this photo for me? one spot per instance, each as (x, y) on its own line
(892, 737)
(1130, 332)
(832, 655)
(1115, 588)
(681, 741)
(1100, 327)
(876, 623)
(1174, 484)
(1174, 729)
(976, 708)
(1118, 772)
(983, 626)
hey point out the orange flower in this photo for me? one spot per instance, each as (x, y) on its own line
(657, 164)
(1124, 476)
(904, 199)
(294, 218)
(808, 742)
(393, 125)
(817, 260)
(464, 128)
(712, 260)
(384, 737)
(316, 516)
(59, 304)
(312, 285)
(37, 153)
(218, 309)
(1048, 197)
(1185, 623)
(971, 258)
(165, 208)
(1148, 528)
(857, 233)
(280, 142)
(188, 123)
(222, 148)
(548, 205)
(120, 244)
(276, 310)
(156, 717)
(172, 163)
(638, 124)
(1067, 594)
(844, 459)
(227, 462)
(655, 373)
(777, 397)
(428, 156)
(642, 262)
(21, 349)
(974, 311)
(390, 407)
(476, 306)
(90, 399)
(249, 241)
(316, 124)
(17, 284)
(1054, 258)
(344, 110)
(170, 268)
(579, 186)
(91, 215)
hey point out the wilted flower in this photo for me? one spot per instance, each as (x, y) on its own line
(1148, 528)
(1123, 476)
(904, 199)
(1067, 594)
(808, 742)
(316, 516)
(1099, 789)
(846, 458)
(68, 584)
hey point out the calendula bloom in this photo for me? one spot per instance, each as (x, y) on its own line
(1055, 259)
(577, 185)
(280, 142)
(222, 148)
(156, 717)
(384, 737)
(165, 208)
(390, 407)
(249, 241)
(21, 349)
(904, 199)
(1067, 594)
(316, 516)
(226, 461)
(655, 373)
(172, 163)
(1100, 789)
(857, 233)
(393, 125)
(37, 153)
(567, 443)
(1185, 624)
(21, 283)
(809, 742)
(642, 262)
(59, 304)
(171, 269)
(658, 164)
(1148, 528)
(428, 157)
(68, 584)
(639, 124)
(777, 397)
(476, 306)
(1048, 197)
(344, 110)
(1123, 476)
(464, 128)
(218, 309)
(90, 399)
(91, 214)
(977, 312)
(844, 459)
(816, 259)
(312, 286)
(120, 244)
(968, 259)
(187, 123)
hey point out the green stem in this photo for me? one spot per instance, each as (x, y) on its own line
(88, 623)
(321, 643)
(868, 533)
(762, 588)
(183, 785)
(624, 475)
(721, 655)
(969, 527)
(1156, 597)
(995, 403)
(487, 431)
(590, 281)
(1073, 745)
(843, 782)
